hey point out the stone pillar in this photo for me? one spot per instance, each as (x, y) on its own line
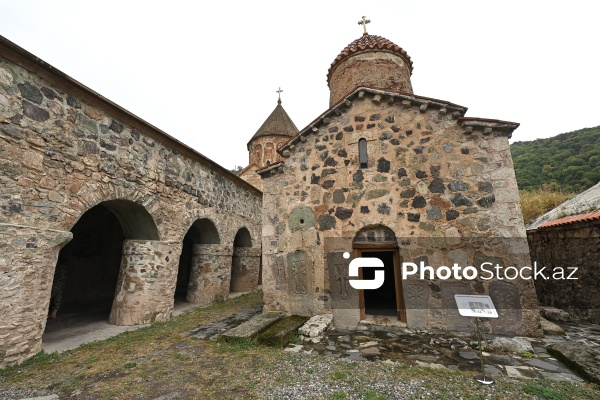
(146, 282)
(245, 265)
(210, 274)
(27, 262)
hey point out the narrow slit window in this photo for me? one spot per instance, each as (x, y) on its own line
(363, 159)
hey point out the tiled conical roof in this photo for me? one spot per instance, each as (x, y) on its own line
(369, 43)
(278, 123)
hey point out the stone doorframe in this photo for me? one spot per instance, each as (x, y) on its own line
(357, 249)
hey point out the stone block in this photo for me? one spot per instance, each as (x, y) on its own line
(251, 328)
(282, 331)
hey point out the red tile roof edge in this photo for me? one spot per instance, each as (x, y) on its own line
(591, 216)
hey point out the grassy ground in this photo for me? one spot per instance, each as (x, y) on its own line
(162, 360)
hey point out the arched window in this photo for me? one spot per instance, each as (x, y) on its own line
(363, 159)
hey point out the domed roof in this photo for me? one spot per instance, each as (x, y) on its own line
(369, 43)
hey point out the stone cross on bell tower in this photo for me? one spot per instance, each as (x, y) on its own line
(364, 21)
(279, 93)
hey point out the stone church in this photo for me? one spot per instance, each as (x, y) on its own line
(135, 219)
(384, 173)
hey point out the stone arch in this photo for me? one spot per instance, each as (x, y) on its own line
(121, 201)
(376, 234)
(379, 241)
(89, 268)
(201, 237)
(245, 263)
(242, 238)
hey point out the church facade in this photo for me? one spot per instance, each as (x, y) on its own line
(384, 173)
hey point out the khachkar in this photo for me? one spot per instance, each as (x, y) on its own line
(386, 173)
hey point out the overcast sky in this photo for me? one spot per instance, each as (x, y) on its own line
(206, 72)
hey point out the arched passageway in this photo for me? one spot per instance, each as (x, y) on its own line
(202, 232)
(245, 263)
(88, 267)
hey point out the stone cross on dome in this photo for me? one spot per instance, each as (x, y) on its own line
(364, 21)
(279, 93)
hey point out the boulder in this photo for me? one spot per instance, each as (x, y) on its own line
(316, 325)
(551, 328)
(554, 314)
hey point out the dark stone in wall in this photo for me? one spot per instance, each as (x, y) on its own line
(326, 222)
(401, 173)
(358, 176)
(73, 102)
(485, 187)
(349, 128)
(359, 119)
(375, 117)
(30, 92)
(343, 213)
(414, 217)
(435, 171)
(418, 150)
(408, 193)
(50, 94)
(314, 179)
(339, 136)
(486, 201)
(452, 215)
(434, 214)
(419, 202)
(34, 112)
(383, 165)
(385, 136)
(116, 127)
(333, 129)
(437, 186)
(328, 184)
(342, 153)
(421, 174)
(328, 171)
(330, 162)
(395, 128)
(369, 126)
(464, 151)
(458, 186)
(383, 208)
(460, 200)
(364, 210)
(338, 196)
(395, 142)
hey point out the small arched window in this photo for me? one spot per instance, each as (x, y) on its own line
(363, 158)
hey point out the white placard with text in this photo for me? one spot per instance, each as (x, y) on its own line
(475, 306)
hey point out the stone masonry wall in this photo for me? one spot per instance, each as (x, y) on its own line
(65, 149)
(565, 247)
(435, 186)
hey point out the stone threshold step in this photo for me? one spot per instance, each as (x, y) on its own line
(281, 332)
(251, 328)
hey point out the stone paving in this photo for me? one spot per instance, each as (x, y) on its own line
(435, 350)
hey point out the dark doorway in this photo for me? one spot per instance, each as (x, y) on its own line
(185, 267)
(88, 269)
(202, 231)
(381, 301)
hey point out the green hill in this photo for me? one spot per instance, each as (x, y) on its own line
(570, 160)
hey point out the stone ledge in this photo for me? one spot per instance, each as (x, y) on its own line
(581, 358)
(253, 327)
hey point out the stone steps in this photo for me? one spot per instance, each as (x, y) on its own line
(281, 332)
(253, 327)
